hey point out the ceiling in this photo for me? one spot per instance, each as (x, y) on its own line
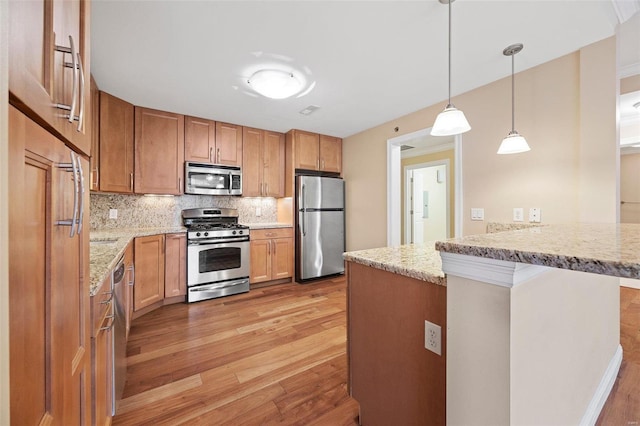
(372, 61)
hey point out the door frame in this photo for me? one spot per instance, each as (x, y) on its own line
(408, 188)
(394, 190)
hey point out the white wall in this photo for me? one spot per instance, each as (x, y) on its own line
(434, 225)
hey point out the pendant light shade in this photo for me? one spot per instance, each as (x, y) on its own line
(451, 121)
(514, 143)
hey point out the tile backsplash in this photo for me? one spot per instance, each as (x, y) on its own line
(143, 211)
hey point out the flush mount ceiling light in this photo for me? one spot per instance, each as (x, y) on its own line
(451, 121)
(514, 142)
(275, 84)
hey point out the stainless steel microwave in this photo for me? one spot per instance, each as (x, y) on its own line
(212, 179)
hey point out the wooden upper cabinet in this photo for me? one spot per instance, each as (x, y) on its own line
(159, 152)
(330, 154)
(175, 265)
(228, 145)
(306, 146)
(199, 140)
(149, 264)
(263, 163)
(39, 80)
(115, 172)
(253, 163)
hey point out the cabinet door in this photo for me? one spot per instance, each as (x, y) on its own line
(306, 146)
(102, 372)
(116, 144)
(49, 299)
(95, 137)
(159, 152)
(228, 144)
(199, 139)
(129, 281)
(260, 261)
(175, 277)
(273, 173)
(330, 154)
(282, 258)
(252, 162)
(149, 263)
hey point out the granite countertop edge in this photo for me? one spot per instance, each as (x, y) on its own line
(104, 257)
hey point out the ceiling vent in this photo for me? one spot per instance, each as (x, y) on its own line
(309, 110)
(406, 147)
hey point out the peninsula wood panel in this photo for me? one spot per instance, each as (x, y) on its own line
(392, 376)
(199, 139)
(116, 145)
(159, 152)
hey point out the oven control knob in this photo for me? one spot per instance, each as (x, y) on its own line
(206, 234)
(233, 232)
(240, 232)
(197, 234)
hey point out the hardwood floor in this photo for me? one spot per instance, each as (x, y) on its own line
(275, 355)
(281, 359)
(623, 405)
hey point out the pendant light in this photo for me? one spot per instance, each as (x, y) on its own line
(451, 121)
(514, 142)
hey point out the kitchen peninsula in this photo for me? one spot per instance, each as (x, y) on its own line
(530, 330)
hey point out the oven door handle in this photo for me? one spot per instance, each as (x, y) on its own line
(223, 241)
(218, 286)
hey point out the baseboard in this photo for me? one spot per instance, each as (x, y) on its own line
(603, 390)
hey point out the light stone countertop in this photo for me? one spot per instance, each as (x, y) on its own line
(258, 225)
(108, 245)
(419, 261)
(605, 249)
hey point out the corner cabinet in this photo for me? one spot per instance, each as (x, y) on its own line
(159, 152)
(49, 323)
(271, 254)
(263, 163)
(115, 154)
(49, 74)
(149, 264)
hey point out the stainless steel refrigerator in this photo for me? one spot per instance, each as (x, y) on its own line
(319, 227)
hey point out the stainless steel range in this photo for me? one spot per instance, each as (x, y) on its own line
(217, 253)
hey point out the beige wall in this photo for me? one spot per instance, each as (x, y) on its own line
(4, 213)
(550, 110)
(630, 188)
(630, 84)
(427, 158)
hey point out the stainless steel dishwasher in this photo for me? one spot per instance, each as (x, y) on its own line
(119, 333)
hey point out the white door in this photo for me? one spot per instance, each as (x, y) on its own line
(427, 204)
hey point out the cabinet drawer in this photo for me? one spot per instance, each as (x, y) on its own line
(101, 306)
(265, 234)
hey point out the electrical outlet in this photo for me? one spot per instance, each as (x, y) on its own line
(113, 213)
(477, 213)
(258, 211)
(534, 214)
(518, 214)
(433, 337)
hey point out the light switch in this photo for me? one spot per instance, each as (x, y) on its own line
(113, 213)
(477, 213)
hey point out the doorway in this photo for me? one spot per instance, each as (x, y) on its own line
(426, 202)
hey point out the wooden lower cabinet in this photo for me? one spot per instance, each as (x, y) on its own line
(102, 353)
(175, 266)
(271, 254)
(395, 380)
(149, 267)
(49, 324)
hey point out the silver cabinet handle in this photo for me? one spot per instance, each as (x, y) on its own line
(266, 189)
(81, 194)
(74, 66)
(81, 114)
(261, 188)
(268, 247)
(71, 167)
(274, 247)
(132, 268)
(211, 154)
(180, 184)
(131, 180)
(218, 155)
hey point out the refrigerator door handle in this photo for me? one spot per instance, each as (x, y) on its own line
(304, 210)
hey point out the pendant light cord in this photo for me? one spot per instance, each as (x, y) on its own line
(513, 94)
(449, 103)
